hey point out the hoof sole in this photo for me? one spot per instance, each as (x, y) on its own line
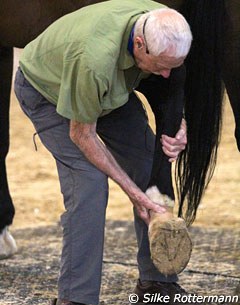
(170, 245)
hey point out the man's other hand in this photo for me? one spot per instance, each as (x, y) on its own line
(173, 146)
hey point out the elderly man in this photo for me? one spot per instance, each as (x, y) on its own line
(76, 83)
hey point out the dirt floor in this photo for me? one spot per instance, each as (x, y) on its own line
(36, 193)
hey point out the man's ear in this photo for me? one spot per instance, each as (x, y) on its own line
(139, 42)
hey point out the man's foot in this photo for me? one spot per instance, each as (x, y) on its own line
(64, 302)
(152, 292)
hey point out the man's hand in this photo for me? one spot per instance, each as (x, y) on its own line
(144, 205)
(173, 146)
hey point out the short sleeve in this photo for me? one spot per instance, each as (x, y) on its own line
(81, 92)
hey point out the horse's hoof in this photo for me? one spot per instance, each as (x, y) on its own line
(8, 245)
(170, 245)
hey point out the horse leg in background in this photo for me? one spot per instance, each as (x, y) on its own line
(7, 243)
(170, 243)
(231, 62)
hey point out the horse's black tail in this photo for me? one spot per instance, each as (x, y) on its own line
(203, 105)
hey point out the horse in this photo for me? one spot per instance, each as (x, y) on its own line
(212, 63)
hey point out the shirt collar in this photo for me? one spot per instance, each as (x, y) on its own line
(130, 41)
(126, 59)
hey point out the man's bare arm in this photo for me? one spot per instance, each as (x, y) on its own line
(85, 137)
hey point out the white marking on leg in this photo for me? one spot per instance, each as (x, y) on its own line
(8, 246)
(10, 241)
(157, 197)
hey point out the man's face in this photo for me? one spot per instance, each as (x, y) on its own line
(159, 65)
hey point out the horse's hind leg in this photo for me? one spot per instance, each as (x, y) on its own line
(7, 244)
(169, 240)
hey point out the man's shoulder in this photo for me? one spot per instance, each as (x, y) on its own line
(116, 8)
(100, 55)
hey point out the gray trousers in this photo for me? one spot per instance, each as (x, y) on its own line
(127, 135)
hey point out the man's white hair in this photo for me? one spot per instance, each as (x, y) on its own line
(165, 29)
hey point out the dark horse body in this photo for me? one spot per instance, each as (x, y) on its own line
(214, 58)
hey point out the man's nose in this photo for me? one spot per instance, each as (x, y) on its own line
(165, 73)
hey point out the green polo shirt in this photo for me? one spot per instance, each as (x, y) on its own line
(81, 63)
